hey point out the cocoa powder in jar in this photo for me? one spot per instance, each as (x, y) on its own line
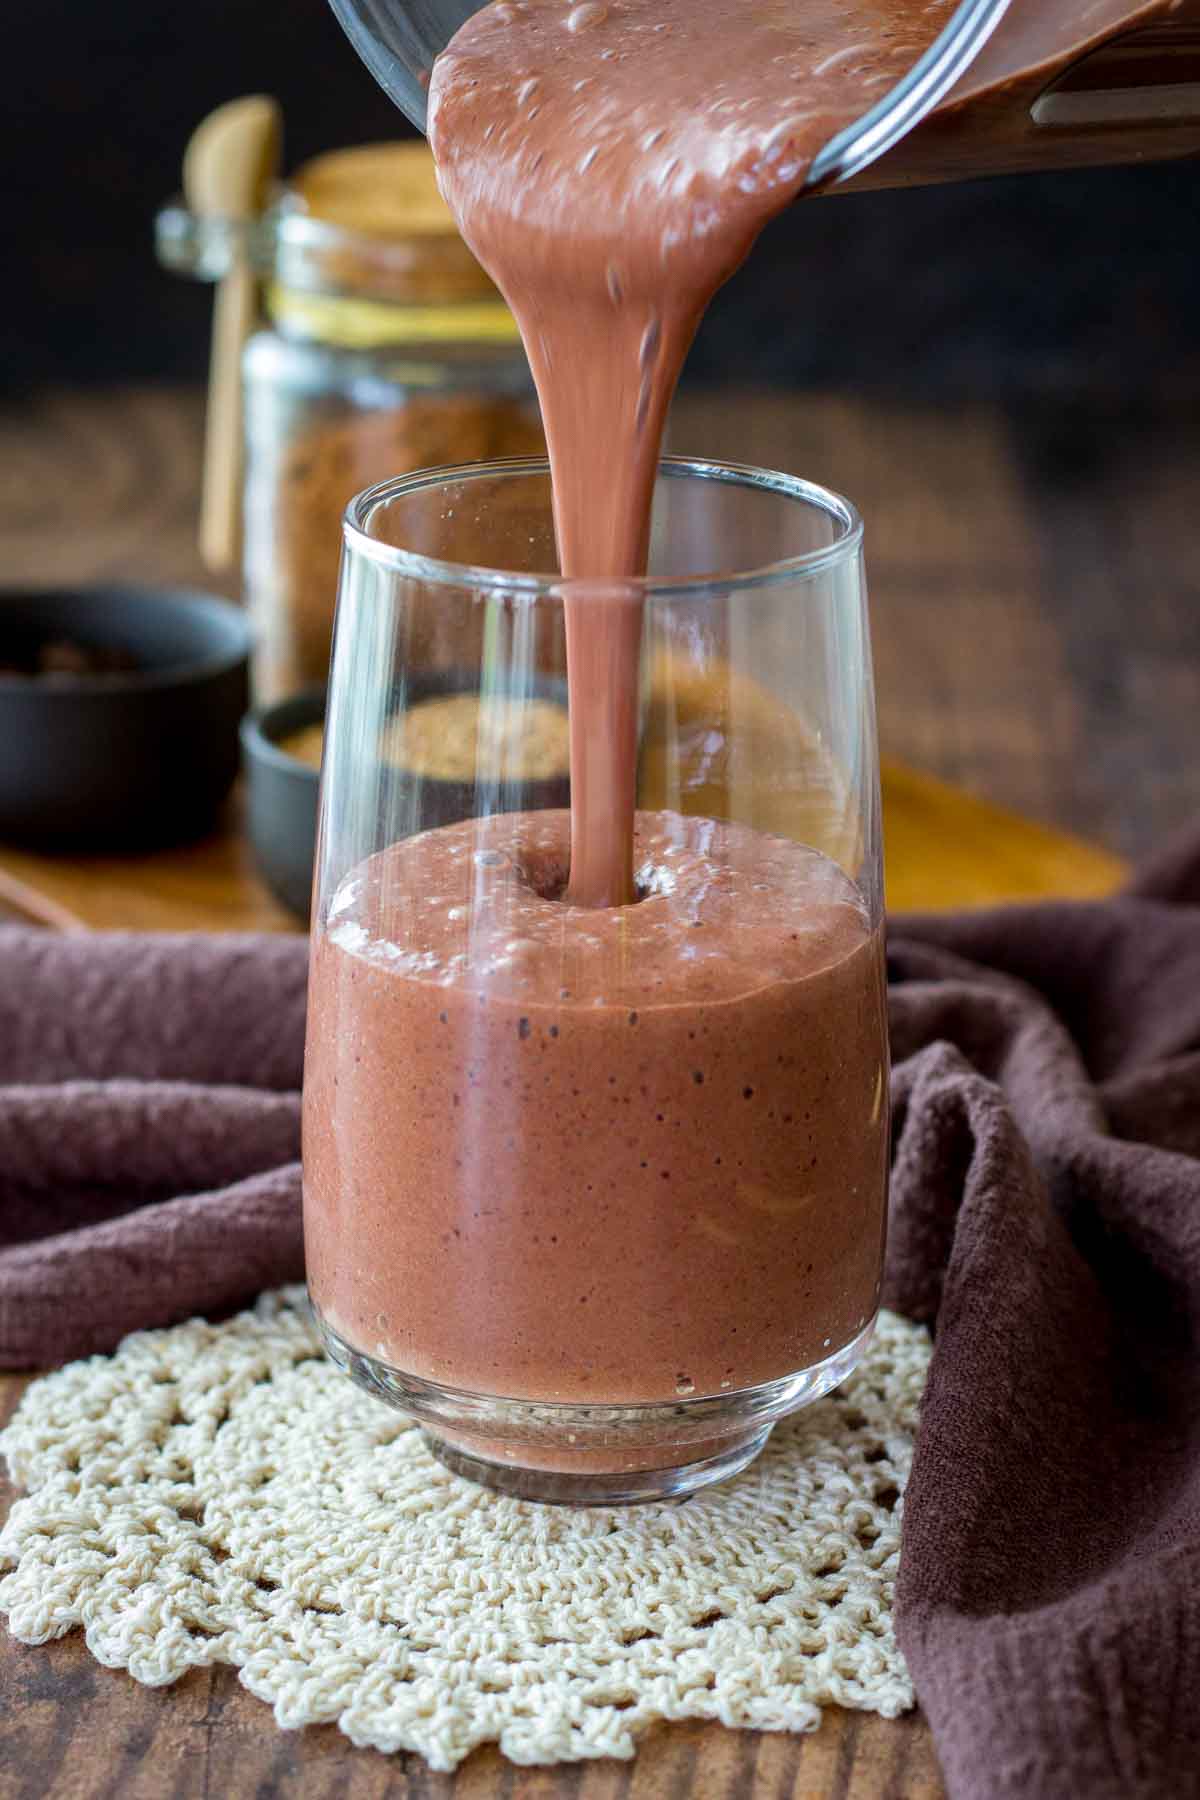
(369, 273)
(327, 465)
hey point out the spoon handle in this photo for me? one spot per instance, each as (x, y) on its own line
(221, 498)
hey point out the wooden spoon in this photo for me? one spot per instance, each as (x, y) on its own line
(22, 904)
(228, 167)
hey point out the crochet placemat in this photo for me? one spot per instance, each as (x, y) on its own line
(221, 1493)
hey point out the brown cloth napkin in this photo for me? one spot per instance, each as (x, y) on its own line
(1045, 1221)
(149, 1132)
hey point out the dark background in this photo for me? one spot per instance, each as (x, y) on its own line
(1063, 283)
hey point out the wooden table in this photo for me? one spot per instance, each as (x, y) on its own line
(1009, 655)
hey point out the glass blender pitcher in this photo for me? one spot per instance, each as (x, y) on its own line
(1009, 85)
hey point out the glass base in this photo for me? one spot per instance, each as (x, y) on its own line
(588, 1455)
(632, 1487)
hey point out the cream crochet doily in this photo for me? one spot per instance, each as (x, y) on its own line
(221, 1493)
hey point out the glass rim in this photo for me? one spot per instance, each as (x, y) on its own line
(411, 563)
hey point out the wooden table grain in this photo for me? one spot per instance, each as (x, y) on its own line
(1037, 638)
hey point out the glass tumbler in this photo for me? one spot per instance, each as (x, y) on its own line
(597, 1194)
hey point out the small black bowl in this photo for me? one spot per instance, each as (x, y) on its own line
(282, 790)
(281, 797)
(127, 757)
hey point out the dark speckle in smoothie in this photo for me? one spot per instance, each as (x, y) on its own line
(523, 1028)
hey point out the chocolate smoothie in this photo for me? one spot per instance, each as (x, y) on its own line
(595, 1107)
(559, 1153)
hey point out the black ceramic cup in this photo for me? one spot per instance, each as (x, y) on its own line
(281, 796)
(115, 757)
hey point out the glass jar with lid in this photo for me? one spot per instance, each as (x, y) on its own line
(384, 349)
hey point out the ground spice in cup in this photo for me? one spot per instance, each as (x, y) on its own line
(452, 737)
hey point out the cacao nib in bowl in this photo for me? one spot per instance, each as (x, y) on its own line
(119, 709)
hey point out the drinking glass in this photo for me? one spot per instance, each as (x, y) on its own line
(597, 1194)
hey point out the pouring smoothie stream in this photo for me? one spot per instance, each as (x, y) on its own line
(610, 164)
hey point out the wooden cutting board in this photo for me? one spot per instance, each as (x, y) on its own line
(943, 848)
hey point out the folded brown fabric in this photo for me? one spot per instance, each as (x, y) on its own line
(149, 1132)
(1045, 1221)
